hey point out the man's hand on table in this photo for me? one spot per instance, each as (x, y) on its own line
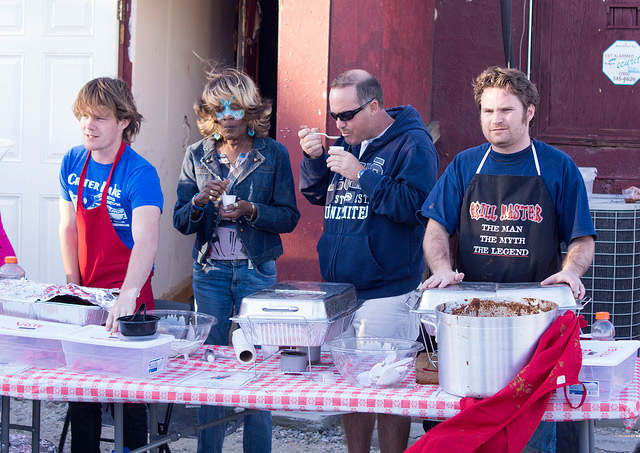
(441, 279)
(570, 278)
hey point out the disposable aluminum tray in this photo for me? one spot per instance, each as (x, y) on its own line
(296, 313)
(560, 294)
(68, 313)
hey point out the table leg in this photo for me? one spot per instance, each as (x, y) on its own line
(583, 441)
(153, 424)
(118, 433)
(592, 442)
(4, 447)
(35, 424)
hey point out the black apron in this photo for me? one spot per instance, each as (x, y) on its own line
(508, 229)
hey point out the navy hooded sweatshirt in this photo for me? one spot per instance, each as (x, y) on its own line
(372, 237)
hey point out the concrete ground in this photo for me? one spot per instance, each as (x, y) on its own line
(293, 431)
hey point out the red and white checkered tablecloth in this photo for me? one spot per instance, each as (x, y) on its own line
(274, 390)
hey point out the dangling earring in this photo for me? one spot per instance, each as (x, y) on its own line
(216, 136)
(251, 131)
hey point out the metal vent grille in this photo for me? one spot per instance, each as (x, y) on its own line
(613, 280)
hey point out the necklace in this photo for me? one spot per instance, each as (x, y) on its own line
(243, 148)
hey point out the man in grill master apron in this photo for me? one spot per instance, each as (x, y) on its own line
(512, 201)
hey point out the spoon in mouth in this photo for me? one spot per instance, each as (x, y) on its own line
(332, 137)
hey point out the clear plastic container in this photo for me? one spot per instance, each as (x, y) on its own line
(31, 342)
(588, 175)
(602, 329)
(11, 269)
(94, 350)
(607, 369)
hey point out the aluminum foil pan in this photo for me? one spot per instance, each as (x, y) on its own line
(297, 313)
(81, 315)
(293, 332)
(70, 304)
(560, 294)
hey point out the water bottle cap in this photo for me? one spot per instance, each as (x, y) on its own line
(602, 315)
(10, 260)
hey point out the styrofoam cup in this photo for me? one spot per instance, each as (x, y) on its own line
(228, 200)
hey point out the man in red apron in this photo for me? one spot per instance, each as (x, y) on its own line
(110, 209)
(512, 201)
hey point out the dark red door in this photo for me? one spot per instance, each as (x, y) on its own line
(581, 110)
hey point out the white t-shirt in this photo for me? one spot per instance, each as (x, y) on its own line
(365, 143)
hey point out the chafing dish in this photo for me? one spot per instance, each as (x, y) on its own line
(293, 313)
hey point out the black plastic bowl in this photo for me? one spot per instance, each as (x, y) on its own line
(142, 325)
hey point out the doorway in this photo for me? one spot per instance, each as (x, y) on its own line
(257, 54)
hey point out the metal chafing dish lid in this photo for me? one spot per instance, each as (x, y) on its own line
(561, 294)
(294, 300)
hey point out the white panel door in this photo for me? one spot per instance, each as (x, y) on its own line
(48, 50)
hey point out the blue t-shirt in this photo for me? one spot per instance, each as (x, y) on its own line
(134, 183)
(559, 173)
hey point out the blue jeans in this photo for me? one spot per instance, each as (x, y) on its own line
(218, 289)
(544, 438)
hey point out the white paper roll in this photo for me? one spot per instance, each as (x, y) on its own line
(245, 352)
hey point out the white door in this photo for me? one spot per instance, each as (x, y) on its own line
(48, 50)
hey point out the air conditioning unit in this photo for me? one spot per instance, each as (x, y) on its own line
(613, 281)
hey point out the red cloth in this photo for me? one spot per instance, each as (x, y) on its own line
(5, 245)
(506, 421)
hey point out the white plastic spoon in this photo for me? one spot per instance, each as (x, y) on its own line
(332, 137)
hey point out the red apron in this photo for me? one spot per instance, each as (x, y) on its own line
(102, 256)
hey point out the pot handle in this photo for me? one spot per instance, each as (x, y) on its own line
(430, 325)
(584, 302)
(413, 302)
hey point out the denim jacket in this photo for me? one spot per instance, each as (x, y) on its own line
(268, 184)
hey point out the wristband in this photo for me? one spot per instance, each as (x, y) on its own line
(193, 203)
(360, 174)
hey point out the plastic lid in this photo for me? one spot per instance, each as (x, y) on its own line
(10, 260)
(24, 327)
(602, 315)
(607, 353)
(98, 335)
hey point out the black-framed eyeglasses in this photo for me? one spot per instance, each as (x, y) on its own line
(349, 114)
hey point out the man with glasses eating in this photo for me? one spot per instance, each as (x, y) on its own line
(372, 182)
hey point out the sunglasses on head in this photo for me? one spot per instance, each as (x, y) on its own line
(349, 114)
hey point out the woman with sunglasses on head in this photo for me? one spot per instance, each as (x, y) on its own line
(237, 243)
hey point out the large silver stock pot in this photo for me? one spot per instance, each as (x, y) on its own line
(481, 348)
